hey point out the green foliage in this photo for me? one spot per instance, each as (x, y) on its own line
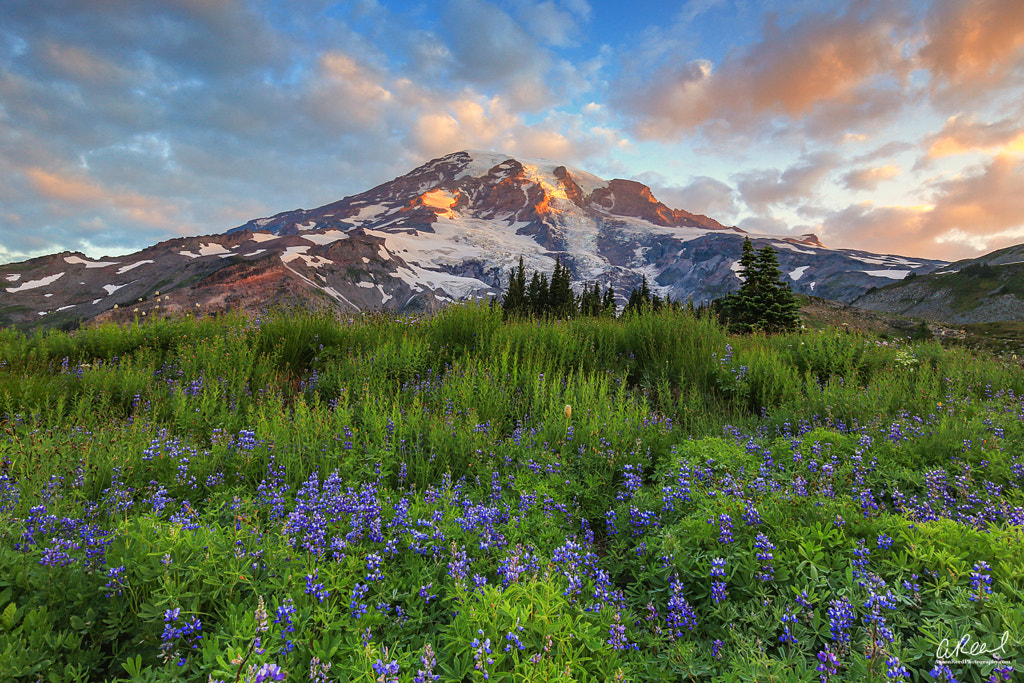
(764, 301)
(233, 462)
(555, 299)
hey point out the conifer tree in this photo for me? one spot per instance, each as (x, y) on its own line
(764, 301)
(608, 302)
(514, 303)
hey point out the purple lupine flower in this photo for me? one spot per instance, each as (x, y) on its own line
(787, 634)
(942, 672)
(315, 589)
(981, 581)
(765, 557)
(1000, 674)
(480, 655)
(751, 516)
(895, 668)
(387, 672)
(724, 529)
(269, 672)
(718, 589)
(429, 661)
(680, 614)
(426, 594)
(840, 620)
(828, 664)
(618, 639)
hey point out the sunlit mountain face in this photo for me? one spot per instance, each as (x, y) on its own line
(451, 229)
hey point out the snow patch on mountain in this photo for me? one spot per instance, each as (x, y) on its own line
(328, 237)
(35, 284)
(78, 260)
(208, 249)
(891, 274)
(124, 269)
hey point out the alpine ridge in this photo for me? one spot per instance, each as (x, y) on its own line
(451, 229)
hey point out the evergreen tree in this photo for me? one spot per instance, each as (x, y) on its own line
(536, 294)
(561, 300)
(639, 298)
(779, 307)
(589, 304)
(514, 302)
(764, 301)
(608, 301)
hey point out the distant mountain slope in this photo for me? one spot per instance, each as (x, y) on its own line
(450, 229)
(981, 290)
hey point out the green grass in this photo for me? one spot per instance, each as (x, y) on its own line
(297, 449)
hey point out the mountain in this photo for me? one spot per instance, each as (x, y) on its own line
(981, 290)
(450, 229)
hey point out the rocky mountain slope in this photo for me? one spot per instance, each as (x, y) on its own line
(982, 290)
(451, 229)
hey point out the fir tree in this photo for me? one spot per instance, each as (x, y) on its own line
(764, 301)
(608, 301)
(561, 300)
(514, 302)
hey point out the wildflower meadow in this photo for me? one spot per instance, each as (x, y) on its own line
(459, 498)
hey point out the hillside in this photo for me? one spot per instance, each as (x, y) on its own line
(983, 290)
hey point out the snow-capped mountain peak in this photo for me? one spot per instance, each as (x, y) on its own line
(449, 229)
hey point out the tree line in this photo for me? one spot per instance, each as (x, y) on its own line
(764, 302)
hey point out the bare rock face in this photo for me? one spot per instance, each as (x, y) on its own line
(451, 229)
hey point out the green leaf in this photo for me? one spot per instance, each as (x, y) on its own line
(133, 666)
(9, 616)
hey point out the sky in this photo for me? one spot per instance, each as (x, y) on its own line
(894, 126)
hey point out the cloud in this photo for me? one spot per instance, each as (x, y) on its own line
(472, 121)
(984, 205)
(868, 178)
(347, 94)
(554, 23)
(885, 151)
(883, 230)
(963, 134)
(820, 62)
(701, 195)
(973, 46)
(762, 188)
(489, 48)
(969, 215)
(764, 225)
(85, 193)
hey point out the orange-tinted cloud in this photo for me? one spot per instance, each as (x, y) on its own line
(983, 205)
(792, 72)
(347, 93)
(83, 192)
(963, 134)
(81, 64)
(969, 215)
(869, 178)
(973, 45)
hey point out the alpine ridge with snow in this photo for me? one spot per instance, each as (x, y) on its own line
(451, 229)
